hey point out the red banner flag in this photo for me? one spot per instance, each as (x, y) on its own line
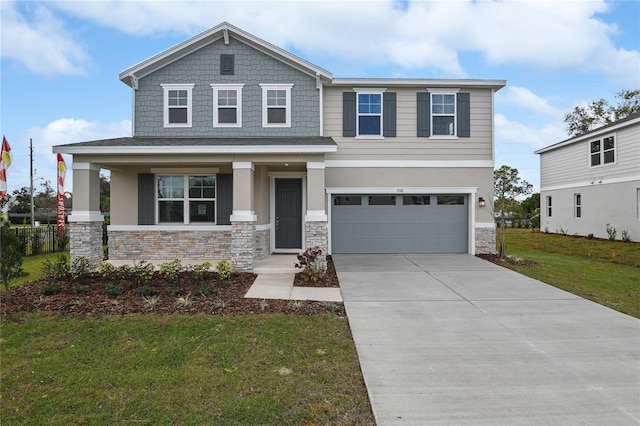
(4, 166)
(62, 171)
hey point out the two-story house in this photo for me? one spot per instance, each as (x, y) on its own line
(592, 181)
(241, 149)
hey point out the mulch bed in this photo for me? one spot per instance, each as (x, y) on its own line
(330, 279)
(226, 298)
(510, 260)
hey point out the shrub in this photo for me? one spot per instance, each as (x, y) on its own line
(199, 271)
(142, 272)
(626, 237)
(80, 269)
(111, 289)
(590, 237)
(145, 291)
(108, 271)
(611, 231)
(10, 255)
(51, 288)
(151, 301)
(307, 261)
(80, 289)
(56, 270)
(184, 302)
(204, 290)
(171, 270)
(224, 269)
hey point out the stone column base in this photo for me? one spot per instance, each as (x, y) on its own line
(243, 240)
(315, 235)
(485, 240)
(85, 240)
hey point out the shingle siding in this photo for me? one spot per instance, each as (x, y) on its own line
(202, 68)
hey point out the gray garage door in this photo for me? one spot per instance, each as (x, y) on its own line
(399, 223)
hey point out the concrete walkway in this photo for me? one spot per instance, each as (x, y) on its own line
(453, 339)
(275, 281)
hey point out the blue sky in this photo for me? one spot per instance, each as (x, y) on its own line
(60, 60)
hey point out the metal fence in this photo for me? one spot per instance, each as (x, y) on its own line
(42, 240)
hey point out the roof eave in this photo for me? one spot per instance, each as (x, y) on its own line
(173, 150)
(411, 82)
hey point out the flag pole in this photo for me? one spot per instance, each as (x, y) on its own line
(31, 177)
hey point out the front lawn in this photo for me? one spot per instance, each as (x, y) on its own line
(179, 369)
(607, 272)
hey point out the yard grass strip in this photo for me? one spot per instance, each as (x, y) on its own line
(606, 272)
(152, 369)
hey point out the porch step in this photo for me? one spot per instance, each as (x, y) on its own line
(276, 264)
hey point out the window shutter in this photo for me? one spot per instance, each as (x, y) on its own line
(226, 64)
(424, 114)
(146, 199)
(464, 115)
(348, 114)
(224, 198)
(389, 114)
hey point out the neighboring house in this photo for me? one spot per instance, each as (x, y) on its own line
(592, 181)
(241, 149)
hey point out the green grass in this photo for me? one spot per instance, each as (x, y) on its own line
(607, 272)
(32, 266)
(236, 370)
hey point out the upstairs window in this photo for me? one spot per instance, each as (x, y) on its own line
(369, 114)
(602, 151)
(276, 105)
(443, 114)
(186, 199)
(227, 105)
(177, 105)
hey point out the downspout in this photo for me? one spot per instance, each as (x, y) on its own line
(320, 99)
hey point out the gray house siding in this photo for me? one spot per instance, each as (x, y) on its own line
(251, 68)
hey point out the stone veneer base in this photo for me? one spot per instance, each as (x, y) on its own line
(85, 240)
(243, 246)
(485, 240)
(315, 235)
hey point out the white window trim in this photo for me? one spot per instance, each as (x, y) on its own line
(601, 153)
(185, 200)
(266, 87)
(370, 91)
(443, 91)
(189, 89)
(216, 88)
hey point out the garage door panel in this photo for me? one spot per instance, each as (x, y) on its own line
(399, 229)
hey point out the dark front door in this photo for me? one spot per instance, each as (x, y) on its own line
(288, 213)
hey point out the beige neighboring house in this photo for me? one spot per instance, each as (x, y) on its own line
(241, 149)
(593, 180)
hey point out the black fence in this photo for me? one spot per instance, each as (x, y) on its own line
(42, 240)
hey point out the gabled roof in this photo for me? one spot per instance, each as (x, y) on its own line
(222, 31)
(623, 122)
(173, 146)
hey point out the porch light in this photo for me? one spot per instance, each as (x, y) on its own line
(481, 202)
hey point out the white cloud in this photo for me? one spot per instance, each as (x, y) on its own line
(423, 36)
(515, 132)
(40, 42)
(523, 98)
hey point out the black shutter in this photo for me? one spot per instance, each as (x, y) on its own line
(424, 114)
(226, 64)
(389, 114)
(146, 199)
(464, 115)
(224, 198)
(348, 114)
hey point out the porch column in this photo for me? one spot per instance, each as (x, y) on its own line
(315, 220)
(243, 218)
(85, 221)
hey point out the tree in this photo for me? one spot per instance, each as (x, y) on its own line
(46, 200)
(507, 186)
(10, 255)
(599, 113)
(105, 193)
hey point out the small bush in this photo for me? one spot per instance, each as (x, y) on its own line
(307, 261)
(80, 289)
(56, 270)
(224, 269)
(80, 269)
(108, 271)
(145, 291)
(611, 231)
(171, 270)
(111, 289)
(184, 302)
(626, 237)
(590, 237)
(50, 289)
(204, 290)
(199, 271)
(143, 272)
(151, 301)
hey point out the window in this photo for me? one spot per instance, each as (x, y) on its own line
(226, 64)
(409, 200)
(369, 120)
(450, 200)
(602, 151)
(577, 205)
(227, 105)
(177, 105)
(186, 199)
(382, 200)
(548, 205)
(443, 114)
(347, 200)
(276, 105)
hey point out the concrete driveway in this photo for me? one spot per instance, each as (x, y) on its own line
(453, 339)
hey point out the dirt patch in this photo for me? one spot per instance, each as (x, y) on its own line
(508, 260)
(211, 296)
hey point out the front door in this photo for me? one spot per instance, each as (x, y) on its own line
(288, 221)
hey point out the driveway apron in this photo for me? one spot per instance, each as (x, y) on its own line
(454, 339)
